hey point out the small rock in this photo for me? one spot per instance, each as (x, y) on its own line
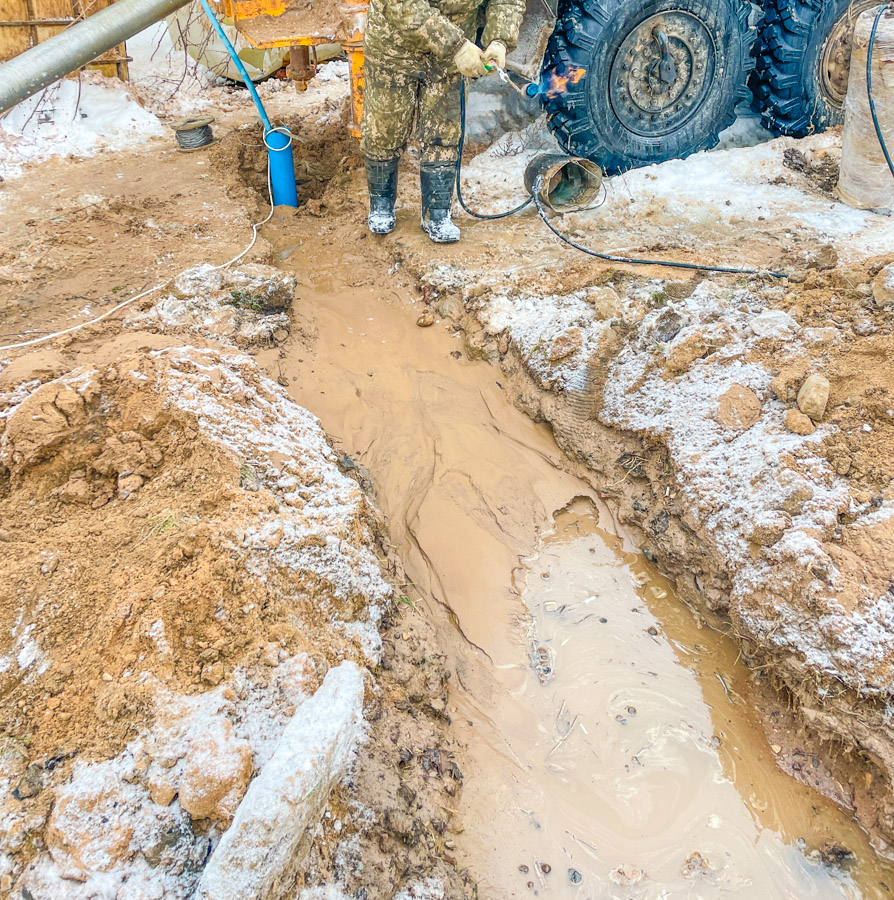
(883, 286)
(796, 491)
(686, 349)
(798, 423)
(157, 849)
(76, 489)
(574, 876)
(774, 323)
(813, 396)
(786, 384)
(216, 771)
(669, 324)
(50, 564)
(823, 258)
(161, 792)
(738, 408)
(270, 655)
(565, 344)
(213, 673)
(841, 464)
(425, 320)
(30, 784)
(129, 484)
(606, 302)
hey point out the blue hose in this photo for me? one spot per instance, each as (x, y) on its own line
(278, 141)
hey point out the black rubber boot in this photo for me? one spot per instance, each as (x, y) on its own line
(438, 181)
(381, 177)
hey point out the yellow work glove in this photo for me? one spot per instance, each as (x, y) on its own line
(495, 54)
(469, 62)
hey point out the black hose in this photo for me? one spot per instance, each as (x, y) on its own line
(878, 130)
(459, 167)
(728, 270)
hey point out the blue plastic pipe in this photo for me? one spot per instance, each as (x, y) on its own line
(282, 167)
(277, 140)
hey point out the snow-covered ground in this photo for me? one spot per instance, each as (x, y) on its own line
(708, 199)
(254, 753)
(74, 117)
(91, 114)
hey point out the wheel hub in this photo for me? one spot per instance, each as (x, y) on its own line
(835, 56)
(661, 73)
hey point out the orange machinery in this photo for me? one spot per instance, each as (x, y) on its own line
(301, 25)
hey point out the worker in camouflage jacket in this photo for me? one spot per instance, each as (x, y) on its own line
(417, 52)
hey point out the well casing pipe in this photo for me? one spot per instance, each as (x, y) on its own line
(35, 69)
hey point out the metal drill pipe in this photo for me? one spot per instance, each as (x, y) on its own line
(35, 69)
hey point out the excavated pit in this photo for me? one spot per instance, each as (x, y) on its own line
(323, 150)
(487, 666)
(430, 429)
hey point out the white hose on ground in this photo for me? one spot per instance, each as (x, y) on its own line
(57, 334)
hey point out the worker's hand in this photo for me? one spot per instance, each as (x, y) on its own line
(469, 61)
(495, 54)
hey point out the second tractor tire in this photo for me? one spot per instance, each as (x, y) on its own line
(803, 60)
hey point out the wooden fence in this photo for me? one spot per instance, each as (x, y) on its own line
(24, 23)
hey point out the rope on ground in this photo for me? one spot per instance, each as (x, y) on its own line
(109, 312)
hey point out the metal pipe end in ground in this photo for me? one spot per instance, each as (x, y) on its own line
(563, 183)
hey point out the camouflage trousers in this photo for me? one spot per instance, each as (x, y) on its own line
(395, 94)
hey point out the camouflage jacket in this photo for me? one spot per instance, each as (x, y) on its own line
(406, 29)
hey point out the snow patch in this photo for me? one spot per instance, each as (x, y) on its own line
(73, 118)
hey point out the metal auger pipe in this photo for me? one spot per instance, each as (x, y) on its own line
(33, 70)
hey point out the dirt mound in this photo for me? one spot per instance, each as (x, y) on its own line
(172, 525)
(323, 150)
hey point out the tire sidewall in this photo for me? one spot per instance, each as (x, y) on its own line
(823, 114)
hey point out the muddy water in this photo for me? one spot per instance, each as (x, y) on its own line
(609, 746)
(650, 774)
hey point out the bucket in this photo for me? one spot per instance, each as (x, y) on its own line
(864, 180)
(569, 182)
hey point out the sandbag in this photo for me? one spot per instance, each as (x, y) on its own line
(865, 181)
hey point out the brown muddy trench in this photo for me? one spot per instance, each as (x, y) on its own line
(611, 747)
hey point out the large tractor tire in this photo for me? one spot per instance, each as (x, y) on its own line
(803, 61)
(634, 82)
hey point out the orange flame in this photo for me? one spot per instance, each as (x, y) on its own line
(559, 81)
